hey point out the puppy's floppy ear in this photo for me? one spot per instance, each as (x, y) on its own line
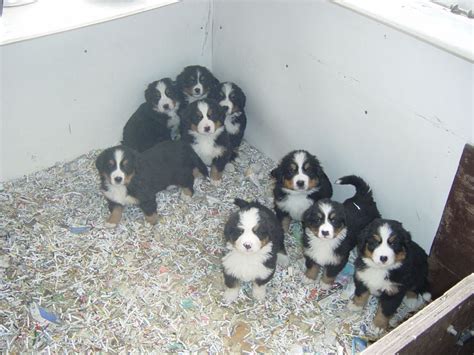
(362, 238)
(243, 99)
(241, 203)
(276, 173)
(307, 215)
(100, 161)
(406, 236)
(150, 92)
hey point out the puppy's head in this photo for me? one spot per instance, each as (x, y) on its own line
(229, 96)
(117, 165)
(196, 81)
(204, 116)
(298, 171)
(163, 95)
(384, 243)
(325, 219)
(248, 230)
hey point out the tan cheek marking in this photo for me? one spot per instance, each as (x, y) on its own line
(288, 183)
(194, 127)
(265, 241)
(367, 252)
(314, 230)
(189, 91)
(400, 256)
(115, 215)
(128, 178)
(218, 124)
(107, 177)
(312, 183)
(339, 230)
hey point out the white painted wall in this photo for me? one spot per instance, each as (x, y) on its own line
(311, 71)
(65, 94)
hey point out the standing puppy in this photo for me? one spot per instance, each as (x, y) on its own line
(390, 266)
(157, 119)
(255, 241)
(130, 178)
(331, 230)
(195, 82)
(232, 99)
(203, 129)
(299, 182)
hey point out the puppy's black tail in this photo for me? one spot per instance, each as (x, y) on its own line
(199, 164)
(241, 203)
(362, 188)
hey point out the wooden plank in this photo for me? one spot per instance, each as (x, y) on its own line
(452, 253)
(425, 332)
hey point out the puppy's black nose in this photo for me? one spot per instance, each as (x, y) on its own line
(247, 246)
(300, 183)
(325, 233)
(118, 179)
(166, 106)
(197, 90)
(225, 108)
(383, 259)
(207, 129)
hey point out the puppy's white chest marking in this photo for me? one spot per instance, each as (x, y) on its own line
(231, 126)
(173, 120)
(376, 280)
(295, 204)
(205, 146)
(248, 266)
(118, 194)
(322, 250)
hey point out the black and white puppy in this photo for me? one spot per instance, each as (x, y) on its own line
(195, 82)
(155, 120)
(331, 230)
(131, 178)
(254, 239)
(203, 129)
(299, 182)
(390, 266)
(231, 97)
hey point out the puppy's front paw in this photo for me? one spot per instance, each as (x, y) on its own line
(307, 281)
(411, 302)
(351, 306)
(152, 219)
(110, 225)
(324, 286)
(186, 197)
(259, 292)
(230, 295)
(283, 260)
(216, 182)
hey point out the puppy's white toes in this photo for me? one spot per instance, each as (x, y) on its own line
(376, 330)
(307, 281)
(283, 260)
(412, 303)
(351, 306)
(216, 182)
(324, 286)
(185, 197)
(230, 295)
(110, 225)
(259, 292)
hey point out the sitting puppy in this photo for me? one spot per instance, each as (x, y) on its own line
(128, 177)
(255, 241)
(299, 182)
(195, 82)
(232, 99)
(390, 266)
(331, 229)
(156, 119)
(203, 129)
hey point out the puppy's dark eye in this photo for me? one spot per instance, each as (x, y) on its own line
(111, 163)
(255, 229)
(167, 92)
(125, 163)
(222, 95)
(232, 96)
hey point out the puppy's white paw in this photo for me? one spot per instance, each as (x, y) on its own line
(230, 295)
(216, 182)
(307, 281)
(412, 303)
(324, 286)
(259, 292)
(185, 197)
(110, 225)
(376, 330)
(351, 306)
(283, 260)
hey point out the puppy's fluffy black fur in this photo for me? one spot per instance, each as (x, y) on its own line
(128, 177)
(299, 181)
(331, 229)
(195, 82)
(390, 265)
(157, 119)
(254, 238)
(203, 128)
(231, 97)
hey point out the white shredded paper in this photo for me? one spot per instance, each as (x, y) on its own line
(139, 287)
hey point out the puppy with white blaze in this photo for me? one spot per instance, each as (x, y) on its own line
(254, 239)
(203, 128)
(195, 82)
(231, 97)
(299, 182)
(331, 229)
(390, 266)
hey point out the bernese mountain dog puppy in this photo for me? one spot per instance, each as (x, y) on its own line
(231, 97)
(203, 128)
(390, 265)
(254, 238)
(131, 178)
(331, 230)
(195, 82)
(157, 119)
(299, 182)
